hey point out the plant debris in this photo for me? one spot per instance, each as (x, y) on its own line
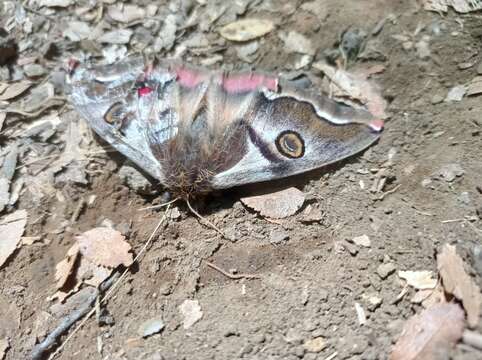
(277, 205)
(458, 283)
(12, 227)
(246, 29)
(191, 313)
(419, 280)
(106, 247)
(430, 334)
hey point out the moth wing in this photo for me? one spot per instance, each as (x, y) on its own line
(291, 131)
(95, 93)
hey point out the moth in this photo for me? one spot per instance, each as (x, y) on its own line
(196, 130)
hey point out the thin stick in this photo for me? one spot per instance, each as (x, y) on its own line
(332, 356)
(158, 206)
(68, 321)
(111, 290)
(232, 276)
(382, 196)
(205, 220)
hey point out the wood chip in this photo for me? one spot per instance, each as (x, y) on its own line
(12, 227)
(278, 205)
(419, 280)
(64, 269)
(458, 283)
(106, 247)
(431, 334)
(246, 29)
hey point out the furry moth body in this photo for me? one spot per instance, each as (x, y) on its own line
(196, 130)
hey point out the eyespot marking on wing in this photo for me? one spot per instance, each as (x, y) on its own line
(115, 114)
(290, 144)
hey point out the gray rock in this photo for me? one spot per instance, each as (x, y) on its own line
(151, 327)
(352, 345)
(450, 171)
(437, 99)
(34, 70)
(384, 270)
(278, 236)
(134, 179)
(479, 69)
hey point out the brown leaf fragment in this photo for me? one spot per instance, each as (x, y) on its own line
(64, 269)
(475, 86)
(246, 29)
(12, 90)
(458, 283)
(355, 86)
(12, 227)
(278, 205)
(430, 334)
(106, 247)
(461, 6)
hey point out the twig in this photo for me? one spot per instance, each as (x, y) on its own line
(207, 222)
(69, 320)
(332, 356)
(451, 221)
(78, 209)
(158, 206)
(111, 290)
(382, 196)
(232, 276)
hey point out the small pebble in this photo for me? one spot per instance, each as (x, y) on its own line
(362, 240)
(150, 327)
(34, 70)
(315, 345)
(278, 236)
(384, 270)
(437, 99)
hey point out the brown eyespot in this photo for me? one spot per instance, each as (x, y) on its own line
(290, 144)
(115, 114)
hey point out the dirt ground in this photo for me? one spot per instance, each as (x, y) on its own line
(311, 275)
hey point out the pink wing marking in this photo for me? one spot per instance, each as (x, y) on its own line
(376, 125)
(248, 82)
(189, 78)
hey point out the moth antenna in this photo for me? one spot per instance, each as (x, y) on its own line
(204, 220)
(159, 206)
(110, 292)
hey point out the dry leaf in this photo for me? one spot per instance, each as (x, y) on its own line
(56, 3)
(295, 42)
(246, 29)
(276, 205)
(461, 6)
(355, 87)
(9, 91)
(458, 283)
(64, 268)
(126, 13)
(475, 86)
(106, 247)
(418, 279)
(12, 227)
(430, 334)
